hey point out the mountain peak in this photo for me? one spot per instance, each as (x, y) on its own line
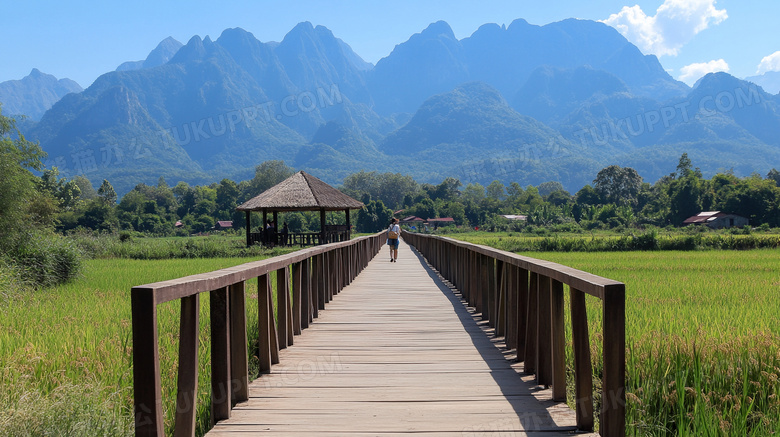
(302, 28)
(439, 28)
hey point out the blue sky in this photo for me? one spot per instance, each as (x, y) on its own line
(84, 39)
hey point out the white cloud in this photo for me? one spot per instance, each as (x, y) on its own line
(674, 24)
(769, 63)
(693, 72)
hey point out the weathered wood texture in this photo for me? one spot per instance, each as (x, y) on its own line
(229, 348)
(536, 319)
(397, 352)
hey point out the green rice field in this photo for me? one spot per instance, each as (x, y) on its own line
(703, 343)
(66, 352)
(703, 338)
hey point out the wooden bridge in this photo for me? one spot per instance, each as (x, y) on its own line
(447, 341)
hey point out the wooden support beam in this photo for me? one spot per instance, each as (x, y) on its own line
(283, 310)
(583, 373)
(187, 380)
(532, 326)
(239, 359)
(220, 355)
(558, 342)
(613, 403)
(147, 397)
(544, 334)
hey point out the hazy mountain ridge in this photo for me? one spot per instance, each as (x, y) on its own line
(34, 94)
(520, 103)
(770, 81)
(159, 56)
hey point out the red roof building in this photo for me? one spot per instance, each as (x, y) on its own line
(412, 219)
(223, 224)
(717, 220)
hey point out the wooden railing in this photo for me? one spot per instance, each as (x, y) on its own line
(300, 238)
(317, 274)
(522, 298)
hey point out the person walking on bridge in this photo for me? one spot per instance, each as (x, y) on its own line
(393, 233)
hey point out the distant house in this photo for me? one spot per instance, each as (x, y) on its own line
(717, 220)
(411, 220)
(178, 224)
(444, 221)
(514, 217)
(223, 224)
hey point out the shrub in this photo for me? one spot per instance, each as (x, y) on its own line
(44, 258)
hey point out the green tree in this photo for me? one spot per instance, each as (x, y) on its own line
(267, 174)
(559, 198)
(86, 190)
(685, 197)
(496, 191)
(391, 188)
(684, 167)
(98, 215)
(547, 188)
(425, 209)
(473, 193)
(447, 190)
(106, 193)
(618, 185)
(374, 217)
(227, 197)
(774, 175)
(17, 183)
(456, 210)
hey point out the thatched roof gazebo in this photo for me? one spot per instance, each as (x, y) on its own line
(301, 192)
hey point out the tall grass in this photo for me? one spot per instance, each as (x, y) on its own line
(650, 241)
(703, 339)
(69, 348)
(42, 258)
(214, 246)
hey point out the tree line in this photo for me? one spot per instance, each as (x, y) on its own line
(618, 197)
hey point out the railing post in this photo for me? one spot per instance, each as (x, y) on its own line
(268, 342)
(521, 305)
(318, 285)
(220, 355)
(613, 398)
(283, 309)
(147, 393)
(532, 327)
(583, 373)
(500, 305)
(239, 360)
(544, 333)
(306, 309)
(492, 272)
(511, 307)
(297, 278)
(187, 380)
(473, 269)
(558, 342)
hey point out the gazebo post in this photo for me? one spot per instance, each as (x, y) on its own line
(322, 226)
(264, 233)
(276, 227)
(248, 224)
(349, 228)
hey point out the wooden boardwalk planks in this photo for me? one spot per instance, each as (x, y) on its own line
(396, 352)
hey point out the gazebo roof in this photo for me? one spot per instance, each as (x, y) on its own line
(300, 192)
